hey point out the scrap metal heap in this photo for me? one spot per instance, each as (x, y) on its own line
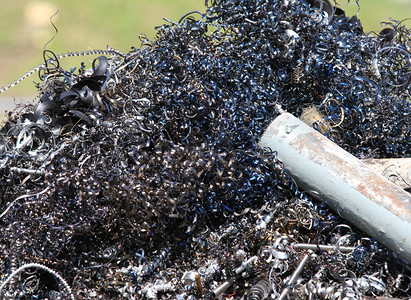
(143, 178)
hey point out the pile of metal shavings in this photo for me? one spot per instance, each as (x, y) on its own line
(142, 178)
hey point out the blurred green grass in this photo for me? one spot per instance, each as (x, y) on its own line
(84, 25)
(92, 24)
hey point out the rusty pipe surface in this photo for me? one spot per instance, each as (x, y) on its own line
(358, 193)
(396, 170)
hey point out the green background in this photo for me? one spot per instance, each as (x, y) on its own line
(93, 24)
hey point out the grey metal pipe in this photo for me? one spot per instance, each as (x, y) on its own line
(294, 277)
(222, 287)
(225, 285)
(324, 247)
(329, 173)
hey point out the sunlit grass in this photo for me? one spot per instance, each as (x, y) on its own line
(91, 24)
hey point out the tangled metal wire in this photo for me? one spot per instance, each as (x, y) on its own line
(142, 177)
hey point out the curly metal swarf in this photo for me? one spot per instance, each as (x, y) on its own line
(108, 51)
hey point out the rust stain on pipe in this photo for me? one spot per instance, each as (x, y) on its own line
(331, 174)
(396, 170)
(327, 154)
